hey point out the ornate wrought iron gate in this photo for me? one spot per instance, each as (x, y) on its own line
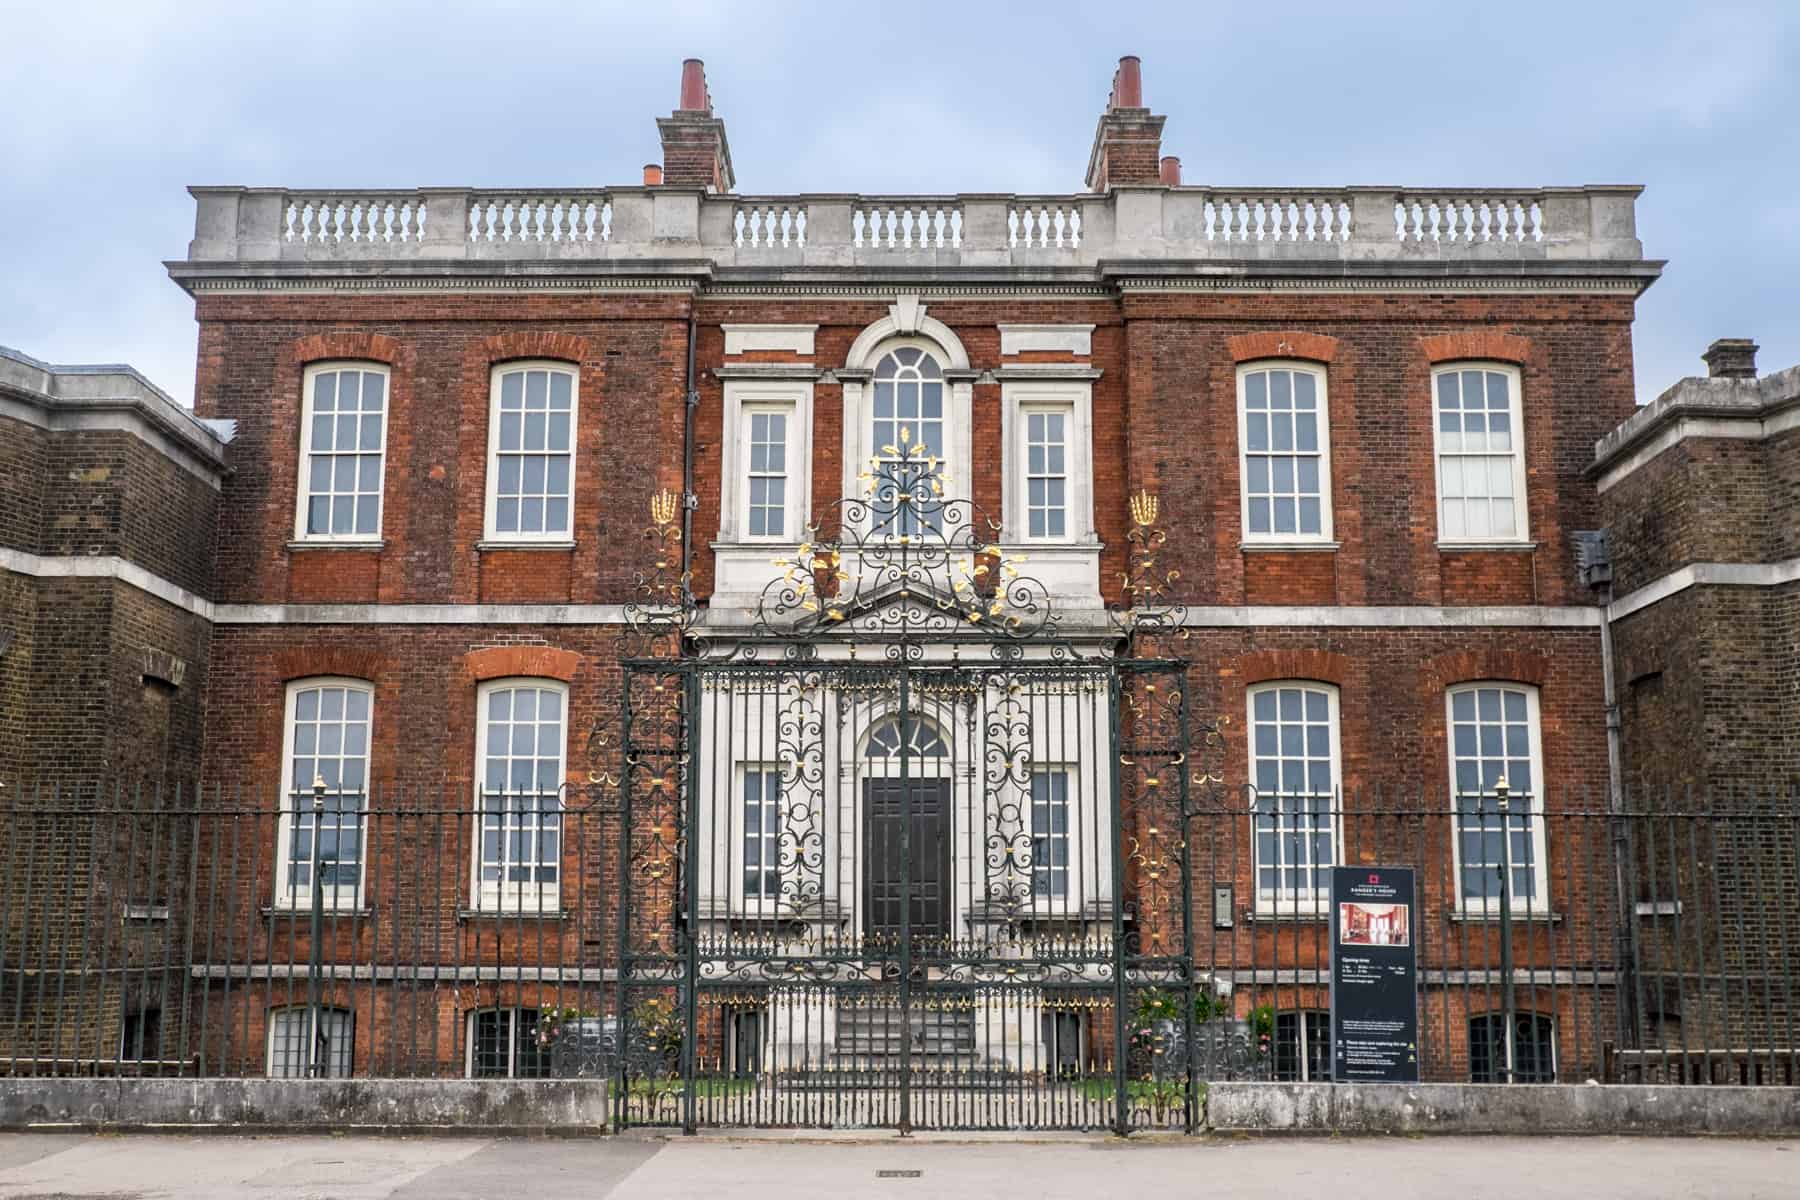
(903, 847)
(917, 894)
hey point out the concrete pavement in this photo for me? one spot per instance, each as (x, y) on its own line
(149, 1167)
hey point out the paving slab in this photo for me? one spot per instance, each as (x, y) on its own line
(642, 1167)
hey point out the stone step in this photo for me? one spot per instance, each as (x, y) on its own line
(923, 1077)
(873, 1048)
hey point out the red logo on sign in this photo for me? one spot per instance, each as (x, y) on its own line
(1374, 879)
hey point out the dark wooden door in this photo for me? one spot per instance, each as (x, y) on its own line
(883, 801)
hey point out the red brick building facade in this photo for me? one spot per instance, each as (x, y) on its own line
(1368, 417)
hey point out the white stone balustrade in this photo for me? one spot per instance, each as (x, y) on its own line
(580, 217)
(1278, 216)
(1148, 224)
(1049, 222)
(907, 223)
(765, 223)
(330, 219)
(1448, 218)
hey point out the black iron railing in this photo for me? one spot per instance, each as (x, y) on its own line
(417, 933)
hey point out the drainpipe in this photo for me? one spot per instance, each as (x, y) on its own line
(1594, 557)
(689, 501)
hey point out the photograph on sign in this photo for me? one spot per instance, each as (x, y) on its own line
(1373, 924)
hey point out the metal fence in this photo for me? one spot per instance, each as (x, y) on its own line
(416, 933)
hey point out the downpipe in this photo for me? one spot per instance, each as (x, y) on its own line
(1594, 557)
(689, 500)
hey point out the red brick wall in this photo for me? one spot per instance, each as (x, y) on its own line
(440, 350)
(1577, 384)
(1164, 418)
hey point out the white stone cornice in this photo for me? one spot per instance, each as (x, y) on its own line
(803, 372)
(1620, 462)
(75, 399)
(1772, 574)
(1035, 372)
(1383, 616)
(420, 614)
(104, 566)
(1344, 616)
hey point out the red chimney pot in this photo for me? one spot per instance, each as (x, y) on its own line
(693, 86)
(1128, 90)
(1170, 172)
(652, 175)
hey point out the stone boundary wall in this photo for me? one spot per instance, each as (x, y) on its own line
(1494, 1109)
(581, 1107)
(364, 1105)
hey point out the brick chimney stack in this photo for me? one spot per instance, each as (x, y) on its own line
(1128, 141)
(695, 152)
(1731, 358)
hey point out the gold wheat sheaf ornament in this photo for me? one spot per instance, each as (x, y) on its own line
(663, 506)
(1144, 508)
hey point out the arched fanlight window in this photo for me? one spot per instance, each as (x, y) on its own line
(908, 417)
(921, 738)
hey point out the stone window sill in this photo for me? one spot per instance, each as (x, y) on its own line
(484, 547)
(1501, 547)
(1290, 547)
(304, 912)
(1484, 917)
(512, 914)
(1314, 916)
(345, 544)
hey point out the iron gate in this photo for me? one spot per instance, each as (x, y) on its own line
(901, 846)
(910, 894)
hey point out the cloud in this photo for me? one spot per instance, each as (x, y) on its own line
(129, 102)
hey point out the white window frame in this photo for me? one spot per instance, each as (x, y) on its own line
(303, 476)
(301, 1012)
(1538, 902)
(1075, 399)
(1321, 380)
(512, 1040)
(336, 896)
(860, 446)
(490, 532)
(524, 897)
(743, 397)
(1070, 868)
(1521, 509)
(772, 412)
(755, 903)
(1315, 901)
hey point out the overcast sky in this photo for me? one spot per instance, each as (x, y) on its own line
(107, 111)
